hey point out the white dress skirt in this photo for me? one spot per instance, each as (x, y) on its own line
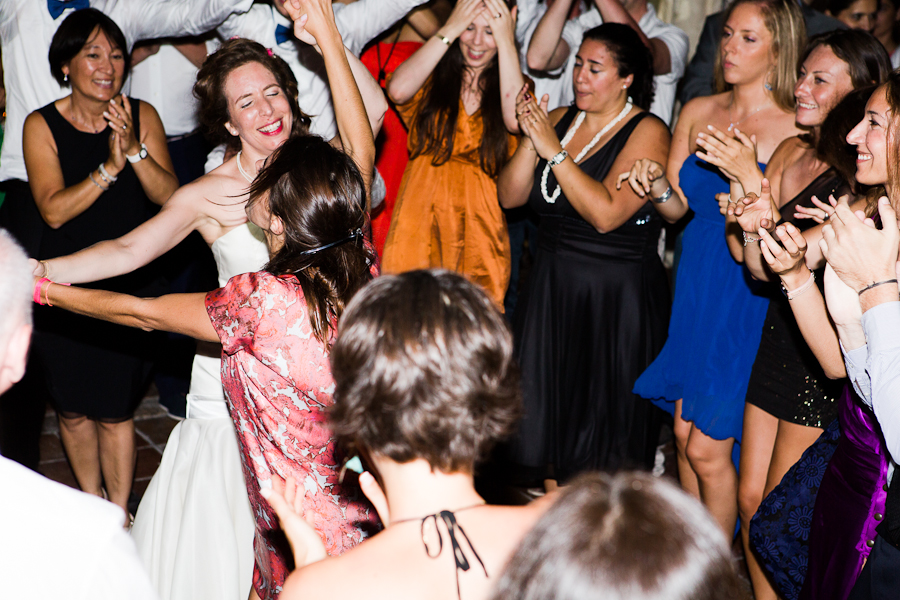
(194, 528)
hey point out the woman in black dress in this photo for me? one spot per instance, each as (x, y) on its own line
(96, 164)
(595, 313)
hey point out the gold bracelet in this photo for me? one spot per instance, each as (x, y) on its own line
(446, 40)
(46, 268)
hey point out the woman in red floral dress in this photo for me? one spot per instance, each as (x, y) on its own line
(276, 328)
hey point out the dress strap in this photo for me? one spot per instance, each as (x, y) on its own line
(453, 529)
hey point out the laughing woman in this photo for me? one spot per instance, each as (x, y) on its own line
(457, 96)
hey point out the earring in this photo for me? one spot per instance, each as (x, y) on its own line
(65, 77)
(766, 83)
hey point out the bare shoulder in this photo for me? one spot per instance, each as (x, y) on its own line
(703, 107)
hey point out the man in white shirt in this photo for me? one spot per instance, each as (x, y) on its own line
(56, 542)
(556, 41)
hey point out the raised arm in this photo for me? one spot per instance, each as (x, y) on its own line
(613, 11)
(364, 20)
(503, 28)
(314, 23)
(143, 19)
(414, 72)
(517, 177)
(548, 50)
(177, 313)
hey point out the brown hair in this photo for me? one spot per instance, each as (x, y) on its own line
(424, 368)
(434, 127)
(210, 87)
(319, 195)
(784, 21)
(629, 535)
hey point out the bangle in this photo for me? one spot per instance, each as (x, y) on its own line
(664, 198)
(105, 175)
(874, 285)
(46, 268)
(444, 39)
(94, 181)
(749, 239)
(38, 287)
(791, 294)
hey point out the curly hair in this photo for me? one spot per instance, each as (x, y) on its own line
(424, 368)
(210, 87)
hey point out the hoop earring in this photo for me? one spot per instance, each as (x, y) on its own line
(766, 83)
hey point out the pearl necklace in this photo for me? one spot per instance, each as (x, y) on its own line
(241, 168)
(551, 199)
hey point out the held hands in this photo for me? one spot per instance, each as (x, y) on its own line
(859, 253)
(312, 19)
(643, 178)
(820, 212)
(123, 140)
(534, 122)
(734, 155)
(754, 212)
(287, 501)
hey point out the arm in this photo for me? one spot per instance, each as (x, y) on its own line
(194, 51)
(314, 23)
(373, 99)
(547, 50)
(881, 323)
(141, 20)
(648, 179)
(511, 79)
(156, 173)
(613, 11)
(177, 313)
(786, 259)
(414, 72)
(181, 215)
(364, 20)
(427, 20)
(517, 177)
(57, 203)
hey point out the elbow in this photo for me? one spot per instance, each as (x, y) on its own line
(53, 220)
(834, 371)
(535, 61)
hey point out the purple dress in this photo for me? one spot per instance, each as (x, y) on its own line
(811, 533)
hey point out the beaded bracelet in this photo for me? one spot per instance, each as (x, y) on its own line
(105, 175)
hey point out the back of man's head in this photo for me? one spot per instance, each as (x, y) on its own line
(15, 310)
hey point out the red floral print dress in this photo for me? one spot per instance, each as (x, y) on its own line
(278, 385)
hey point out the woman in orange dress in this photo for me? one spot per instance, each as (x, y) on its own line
(456, 95)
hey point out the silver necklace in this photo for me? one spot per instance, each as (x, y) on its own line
(733, 123)
(551, 198)
(241, 168)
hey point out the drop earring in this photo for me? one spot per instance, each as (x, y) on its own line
(65, 78)
(766, 83)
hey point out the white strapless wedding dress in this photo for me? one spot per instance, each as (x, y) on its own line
(194, 528)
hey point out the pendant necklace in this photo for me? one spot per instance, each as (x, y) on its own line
(734, 123)
(551, 198)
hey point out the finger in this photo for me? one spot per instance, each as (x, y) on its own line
(888, 218)
(765, 190)
(786, 241)
(545, 102)
(719, 134)
(376, 496)
(276, 500)
(767, 253)
(743, 139)
(622, 177)
(796, 235)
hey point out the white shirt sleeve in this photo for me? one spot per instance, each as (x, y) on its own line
(855, 362)
(149, 19)
(364, 20)
(882, 327)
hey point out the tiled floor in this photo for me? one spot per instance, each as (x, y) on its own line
(152, 426)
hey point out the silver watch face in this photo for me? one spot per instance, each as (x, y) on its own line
(143, 153)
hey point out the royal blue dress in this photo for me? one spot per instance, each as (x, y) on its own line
(717, 319)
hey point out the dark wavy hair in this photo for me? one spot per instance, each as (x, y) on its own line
(318, 194)
(632, 58)
(628, 535)
(210, 87)
(867, 60)
(424, 368)
(75, 31)
(434, 127)
(832, 146)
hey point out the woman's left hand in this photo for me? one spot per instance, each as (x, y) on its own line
(819, 213)
(287, 501)
(120, 121)
(535, 123)
(734, 155)
(785, 258)
(309, 17)
(502, 20)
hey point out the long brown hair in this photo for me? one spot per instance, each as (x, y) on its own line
(434, 127)
(319, 195)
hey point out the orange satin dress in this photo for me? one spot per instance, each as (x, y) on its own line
(448, 216)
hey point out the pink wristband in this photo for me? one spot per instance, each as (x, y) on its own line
(37, 290)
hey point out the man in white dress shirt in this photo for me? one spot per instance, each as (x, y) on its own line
(556, 41)
(56, 542)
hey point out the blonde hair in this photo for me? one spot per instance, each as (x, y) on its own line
(784, 21)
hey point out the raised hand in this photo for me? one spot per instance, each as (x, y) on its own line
(754, 212)
(735, 155)
(643, 174)
(287, 501)
(535, 123)
(312, 19)
(787, 257)
(502, 20)
(820, 212)
(118, 115)
(462, 16)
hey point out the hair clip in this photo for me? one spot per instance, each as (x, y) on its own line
(269, 52)
(354, 235)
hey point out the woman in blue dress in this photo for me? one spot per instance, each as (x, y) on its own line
(701, 375)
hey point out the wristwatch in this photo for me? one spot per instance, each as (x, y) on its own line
(141, 155)
(561, 156)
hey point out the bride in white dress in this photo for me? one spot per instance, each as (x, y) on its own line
(194, 528)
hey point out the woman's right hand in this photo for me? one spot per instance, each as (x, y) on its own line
(819, 213)
(787, 258)
(643, 174)
(462, 16)
(298, 525)
(754, 212)
(311, 18)
(38, 267)
(535, 124)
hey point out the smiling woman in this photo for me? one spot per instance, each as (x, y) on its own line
(456, 95)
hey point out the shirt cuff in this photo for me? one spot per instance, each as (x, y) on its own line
(881, 325)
